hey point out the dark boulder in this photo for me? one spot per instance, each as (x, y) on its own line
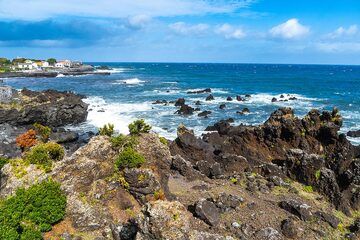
(274, 99)
(239, 98)
(229, 98)
(329, 218)
(62, 136)
(160, 102)
(210, 98)
(198, 103)
(301, 210)
(206, 90)
(208, 212)
(354, 134)
(180, 102)
(204, 113)
(222, 106)
(289, 228)
(185, 110)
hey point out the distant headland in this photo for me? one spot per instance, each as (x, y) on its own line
(25, 67)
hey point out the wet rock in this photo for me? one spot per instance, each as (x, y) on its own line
(185, 110)
(160, 102)
(247, 95)
(289, 228)
(142, 182)
(301, 210)
(239, 98)
(229, 98)
(206, 90)
(292, 98)
(63, 136)
(208, 212)
(180, 102)
(274, 99)
(282, 96)
(268, 233)
(204, 113)
(210, 98)
(198, 103)
(222, 106)
(354, 134)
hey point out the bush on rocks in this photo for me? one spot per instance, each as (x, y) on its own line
(26, 140)
(129, 158)
(43, 154)
(122, 141)
(107, 130)
(3, 161)
(43, 131)
(32, 211)
(139, 126)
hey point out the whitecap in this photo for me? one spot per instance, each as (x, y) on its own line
(131, 81)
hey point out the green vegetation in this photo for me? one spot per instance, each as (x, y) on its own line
(44, 153)
(3, 161)
(32, 211)
(4, 62)
(164, 141)
(308, 189)
(122, 141)
(317, 175)
(139, 126)
(233, 180)
(51, 61)
(43, 131)
(129, 158)
(107, 130)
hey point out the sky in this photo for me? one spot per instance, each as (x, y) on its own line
(234, 31)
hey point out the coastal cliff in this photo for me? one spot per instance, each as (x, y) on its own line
(288, 178)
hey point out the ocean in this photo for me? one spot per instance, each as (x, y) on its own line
(128, 93)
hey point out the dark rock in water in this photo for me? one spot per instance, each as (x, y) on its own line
(243, 111)
(239, 98)
(198, 103)
(64, 136)
(204, 113)
(282, 96)
(301, 210)
(274, 99)
(329, 218)
(292, 98)
(160, 102)
(180, 102)
(104, 67)
(50, 108)
(207, 90)
(197, 109)
(222, 106)
(247, 95)
(289, 228)
(185, 110)
(101, 110)
(229, 98)
(353, 133)
(210, 98)
(208, 212)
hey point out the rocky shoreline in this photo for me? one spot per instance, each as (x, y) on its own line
(288, 178)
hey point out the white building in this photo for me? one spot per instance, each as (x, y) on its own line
(59, 65)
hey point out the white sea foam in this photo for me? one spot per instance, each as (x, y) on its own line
(113, 70)
(60, 75)
(131, 81)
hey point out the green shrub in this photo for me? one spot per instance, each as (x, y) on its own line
(317, 175)
(107, 130)
(32, 210)
(3, 161)
(163, 140)
(139, 126)
(43, 131)
(308, 189)
(44, 154)
(122, 141)
(129, 158)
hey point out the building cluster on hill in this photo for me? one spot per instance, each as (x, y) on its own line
(23, 64)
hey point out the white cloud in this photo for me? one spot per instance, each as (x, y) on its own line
(291, 29)
(230, 32)
(138, 21)
(43, 9)
(339, 47)
(344, 32)
(187, 29)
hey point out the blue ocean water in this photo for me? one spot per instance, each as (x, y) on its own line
(129, 91)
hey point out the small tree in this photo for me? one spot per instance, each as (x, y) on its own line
(139, 126)
(51, 61)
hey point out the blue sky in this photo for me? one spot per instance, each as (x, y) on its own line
(245, 31)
